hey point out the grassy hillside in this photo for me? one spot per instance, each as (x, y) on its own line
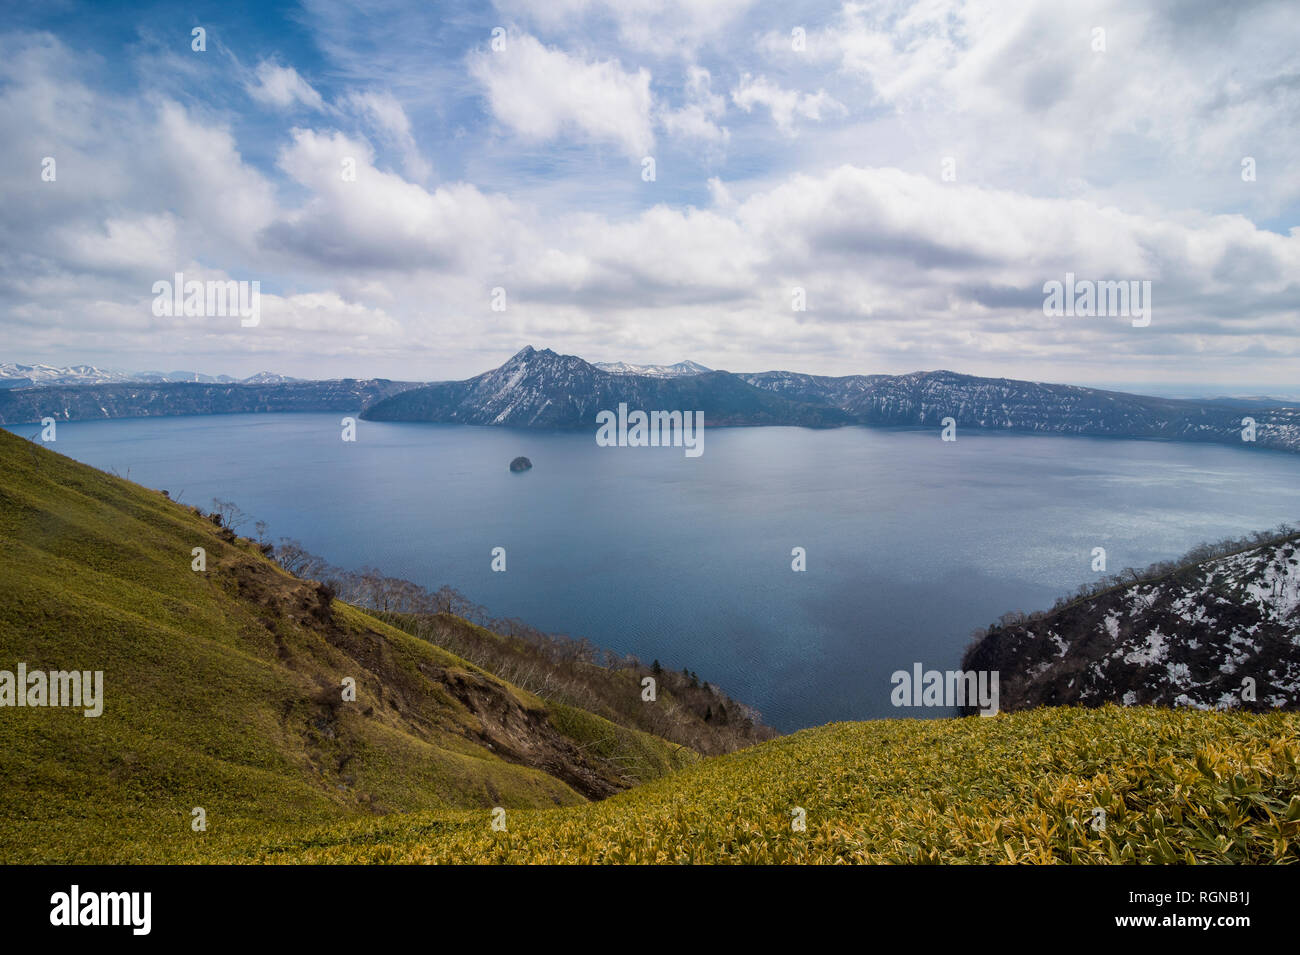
(223, 690)
(1175, 785)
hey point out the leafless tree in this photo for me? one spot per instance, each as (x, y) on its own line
(229, 514)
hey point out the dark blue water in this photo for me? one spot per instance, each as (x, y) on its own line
(911, 542)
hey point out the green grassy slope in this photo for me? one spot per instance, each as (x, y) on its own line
(1175, 785)
(222, 690)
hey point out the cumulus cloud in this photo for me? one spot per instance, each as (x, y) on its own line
(542, 93)
(198, 164)
(370, 219)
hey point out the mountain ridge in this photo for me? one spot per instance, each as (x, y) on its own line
(544, 389)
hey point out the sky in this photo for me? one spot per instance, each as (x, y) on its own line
(421, 189)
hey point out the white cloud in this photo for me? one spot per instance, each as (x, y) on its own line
(219, 196)
(380, 220)
(324, 312)
(145, 242)
(783, 104)
(386, 114)
(1162, 115)
(541, 93)
(697, 119)
(283, 88)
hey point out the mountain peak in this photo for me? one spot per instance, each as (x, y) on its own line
(528, 352)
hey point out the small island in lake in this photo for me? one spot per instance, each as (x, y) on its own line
(520, 464)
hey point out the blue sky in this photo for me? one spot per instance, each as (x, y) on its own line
(794, 145)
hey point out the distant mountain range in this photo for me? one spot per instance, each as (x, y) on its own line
(926, 398)
(542, 389)
(147, 400)
(13, 375)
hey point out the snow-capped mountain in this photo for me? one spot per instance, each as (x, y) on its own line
(267, 378)
(14, 375)
(541, 389)
(678, 370)
(1209, 634)
(190, 376)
